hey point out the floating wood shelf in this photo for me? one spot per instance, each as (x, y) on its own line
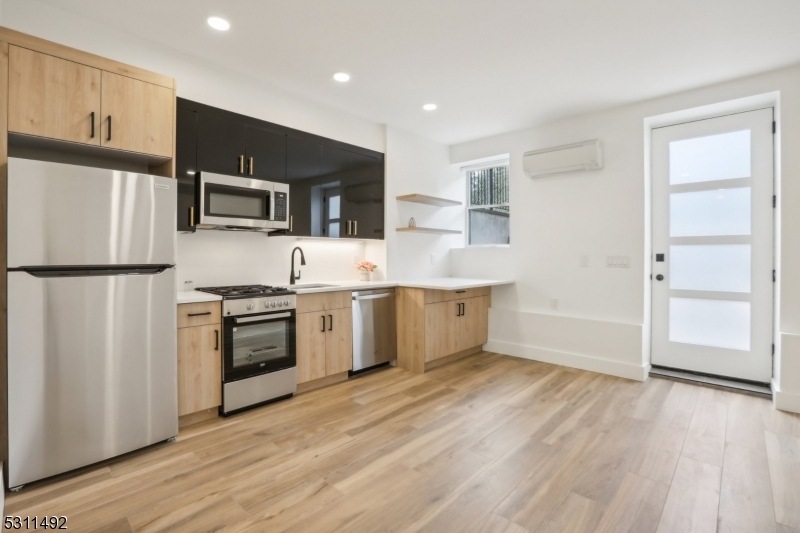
(430, 230)
(428, 200)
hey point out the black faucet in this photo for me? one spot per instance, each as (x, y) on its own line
(292, 278)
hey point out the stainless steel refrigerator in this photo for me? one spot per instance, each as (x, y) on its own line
(92, 342)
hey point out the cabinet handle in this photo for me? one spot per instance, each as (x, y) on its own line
(250, 164)
(216, 339)
(92, 117)
(330, 325)
(458, 309)
(191, 217)
(291, 222)
(463, 310)
(323, 323)
(241, 164)
(459, 292)
(109, 128)
(200, 314)
(355, 227)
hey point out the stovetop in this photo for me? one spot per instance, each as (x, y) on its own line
(246, 291)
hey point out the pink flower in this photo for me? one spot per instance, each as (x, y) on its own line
(366, 265)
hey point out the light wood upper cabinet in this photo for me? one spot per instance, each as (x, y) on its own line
(52, 97)
(339, 341)
(199, 368)
(136, 116)
(311, 356)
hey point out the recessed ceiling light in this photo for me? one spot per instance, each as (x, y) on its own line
(429, 107)
(218, 23)
(341, 76)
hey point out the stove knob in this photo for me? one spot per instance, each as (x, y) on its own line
(286, 302)
(266, 304)
(250, 306)
(280, 303)
(272, 304)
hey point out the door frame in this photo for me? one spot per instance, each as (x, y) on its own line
(741, 105)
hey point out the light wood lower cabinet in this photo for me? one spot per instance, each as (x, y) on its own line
(199, 361)
(324, 335)
(432, 325)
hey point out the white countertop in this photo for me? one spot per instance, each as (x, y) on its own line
(445, 284)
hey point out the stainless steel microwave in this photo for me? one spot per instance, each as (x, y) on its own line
(245, 204)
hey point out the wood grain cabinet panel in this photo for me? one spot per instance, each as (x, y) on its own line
(199, 314)
(473, 325)
(324, 301)
(339, 341)
(435, 296)
(199, 368)
(52, 97)
(311, 355)
(137, 116)
(441, 329)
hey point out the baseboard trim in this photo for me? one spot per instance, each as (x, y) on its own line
(430, 365)
(318, 383)
(785, 401)
(195, 418)
(584, 362)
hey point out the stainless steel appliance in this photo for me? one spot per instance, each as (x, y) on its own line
(258, 345)
(92, 367)
(243, 204)
(374, 328)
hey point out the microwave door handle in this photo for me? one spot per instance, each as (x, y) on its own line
(261, 318)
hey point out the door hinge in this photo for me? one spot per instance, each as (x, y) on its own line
(774, 200)
(773, 349)
(773, 276)
(774, 127)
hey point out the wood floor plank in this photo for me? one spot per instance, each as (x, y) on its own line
(692, 500)
(745, 425)
(682, 396)
(705, 440)
(636, 507)
(658, 456)
(575, 514)
(783, 454)
(745, 502)
(497, 524)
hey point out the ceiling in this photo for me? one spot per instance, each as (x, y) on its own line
(490, 65)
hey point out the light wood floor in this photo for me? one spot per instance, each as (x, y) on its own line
(489, 443)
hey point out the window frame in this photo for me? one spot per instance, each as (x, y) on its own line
(465, 170)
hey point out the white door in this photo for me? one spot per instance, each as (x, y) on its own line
(713, 246)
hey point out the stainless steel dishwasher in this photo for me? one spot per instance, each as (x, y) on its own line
(374, 328)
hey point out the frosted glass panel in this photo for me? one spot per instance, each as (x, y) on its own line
(718, 323)
(716, 157)
(703, 213)
(333, 229)
(710, 267)
(333, 207)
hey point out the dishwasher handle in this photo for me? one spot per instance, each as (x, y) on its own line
(374, 296)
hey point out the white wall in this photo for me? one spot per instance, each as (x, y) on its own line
(556, 220)
(418, 165)
(210, 257)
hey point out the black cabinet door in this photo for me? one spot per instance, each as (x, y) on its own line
(334, 167)
(266, 154)
(362, 204)
(186, 167)
(221, 146)
(302, 175)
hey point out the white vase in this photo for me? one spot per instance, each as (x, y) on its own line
(364, 275)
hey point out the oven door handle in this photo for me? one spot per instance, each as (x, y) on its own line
(261, 318)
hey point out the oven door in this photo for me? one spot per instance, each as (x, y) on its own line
(236, 203)
(257, 344)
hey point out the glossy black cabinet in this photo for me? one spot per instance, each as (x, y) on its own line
(335, 189)
(186, 167)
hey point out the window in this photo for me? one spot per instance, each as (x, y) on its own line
(488, 210)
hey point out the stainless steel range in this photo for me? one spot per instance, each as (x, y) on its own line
(258, 345)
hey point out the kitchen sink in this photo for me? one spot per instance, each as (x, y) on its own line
(310, 286)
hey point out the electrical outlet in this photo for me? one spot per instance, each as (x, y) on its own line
(584, 261)
(433, 259)
(554, 303)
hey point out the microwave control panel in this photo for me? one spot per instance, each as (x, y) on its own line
(280, 206)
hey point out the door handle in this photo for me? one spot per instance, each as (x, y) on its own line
(323, 323)
(291, 222)
(250, 164)
(241, 164)
(355, 227)
(109, 128)
(347, 224)
(458, 307)
(92, 116)
(191, 217)
(463, 309)
(200, 314)
(216, 339)
(330, 325)
(660, 277)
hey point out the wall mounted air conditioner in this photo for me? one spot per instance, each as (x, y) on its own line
(568, 158)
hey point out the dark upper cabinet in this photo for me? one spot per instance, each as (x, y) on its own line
(362, 203)
(302, 173)
(221, 145)
(266, 154)
(186, 167)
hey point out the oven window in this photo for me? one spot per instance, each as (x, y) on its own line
(259, 343)
(238, 202)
